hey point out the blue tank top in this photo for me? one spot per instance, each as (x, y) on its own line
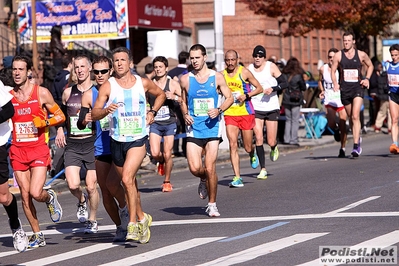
(393, 76)
(201, 98)
(102, 142)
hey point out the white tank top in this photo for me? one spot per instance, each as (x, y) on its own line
(128, 122)
(331, 97)
(262, 102)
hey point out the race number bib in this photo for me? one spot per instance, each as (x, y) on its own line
(104, 123)
(393, 80)
(130, 126)
(201, 106)
(163, 114)
(235, 96)
(25, 132)
(73, 120)
(332, 95)
(351, 75)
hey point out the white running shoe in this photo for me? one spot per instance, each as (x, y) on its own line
(82, 212)
(212, 210)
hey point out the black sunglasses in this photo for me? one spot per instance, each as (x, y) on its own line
(102, 71)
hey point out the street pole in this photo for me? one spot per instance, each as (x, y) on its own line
(219, 56)
(34, 40)
(218, 28)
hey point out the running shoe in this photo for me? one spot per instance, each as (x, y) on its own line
(212, 210)
(202, 190)
(124, 216)
(394, 149)
(237, 182)
(144, 228)
(20, 240)
(358, 151)
(133, 232)
(274, 154)
(341, 153)
(36, 240)
(91, 227)
(120, 235)
(167, 187)
(262, 175)
(160, 168)
(82, 212)
(337, 135)
(254, 161)
(54, 207)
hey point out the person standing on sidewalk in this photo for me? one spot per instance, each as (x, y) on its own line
(79, 147)
(393, 83)
(7, 199)
(266, 105)
(352, 85)
(201, 105)
(332, 102)
(29, 152)
(164, 125)
(122, 99)
(110, 182)
(241, 115)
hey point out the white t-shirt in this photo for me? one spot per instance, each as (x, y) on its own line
(5, 127)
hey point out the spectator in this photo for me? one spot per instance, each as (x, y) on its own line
(293, 72)
(57, 48)
(374, 101)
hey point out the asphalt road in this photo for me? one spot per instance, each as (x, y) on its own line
(310, 199)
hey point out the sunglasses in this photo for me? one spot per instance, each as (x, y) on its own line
(102, 71)
(329, 57)
(258, 56)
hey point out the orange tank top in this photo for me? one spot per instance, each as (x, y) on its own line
(24, 132)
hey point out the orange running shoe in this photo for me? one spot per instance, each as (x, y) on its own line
(167, 187)
(394, 149)
(161, 170)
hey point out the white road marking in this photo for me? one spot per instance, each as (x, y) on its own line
(160, 252)
(380, 241)
(71, 254)
(261, 250)
(353, 205)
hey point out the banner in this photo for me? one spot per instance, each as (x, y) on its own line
(81, 20)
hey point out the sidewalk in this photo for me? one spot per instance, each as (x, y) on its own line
(180, 163)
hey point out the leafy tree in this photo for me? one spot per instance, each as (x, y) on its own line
(363, 17)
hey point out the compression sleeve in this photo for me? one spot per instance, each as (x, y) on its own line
(58, 118)
(82, 115)
(281, 83)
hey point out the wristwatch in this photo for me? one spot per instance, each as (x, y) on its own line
(153, 112)
(220, 110)
(47, 122)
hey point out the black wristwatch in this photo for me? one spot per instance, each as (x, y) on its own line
(220, 110)
(153, 112)
(247, 98)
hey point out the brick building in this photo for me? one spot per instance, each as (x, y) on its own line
(245, 30)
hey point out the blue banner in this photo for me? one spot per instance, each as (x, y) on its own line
(80, 19)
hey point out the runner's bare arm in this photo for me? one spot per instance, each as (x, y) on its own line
(98, 112)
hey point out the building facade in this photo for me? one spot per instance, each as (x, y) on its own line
(243, 31)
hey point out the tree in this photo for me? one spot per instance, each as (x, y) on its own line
(364, 17)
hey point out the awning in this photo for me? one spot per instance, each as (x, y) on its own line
(156, 14)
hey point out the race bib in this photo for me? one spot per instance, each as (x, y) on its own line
(393, 80)
(201, 106)
(25, 132)
(332, 95)
(351, 75)
(104, 123)
(162, 114)
(73, 120)
(130, 126)
(235, 96)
